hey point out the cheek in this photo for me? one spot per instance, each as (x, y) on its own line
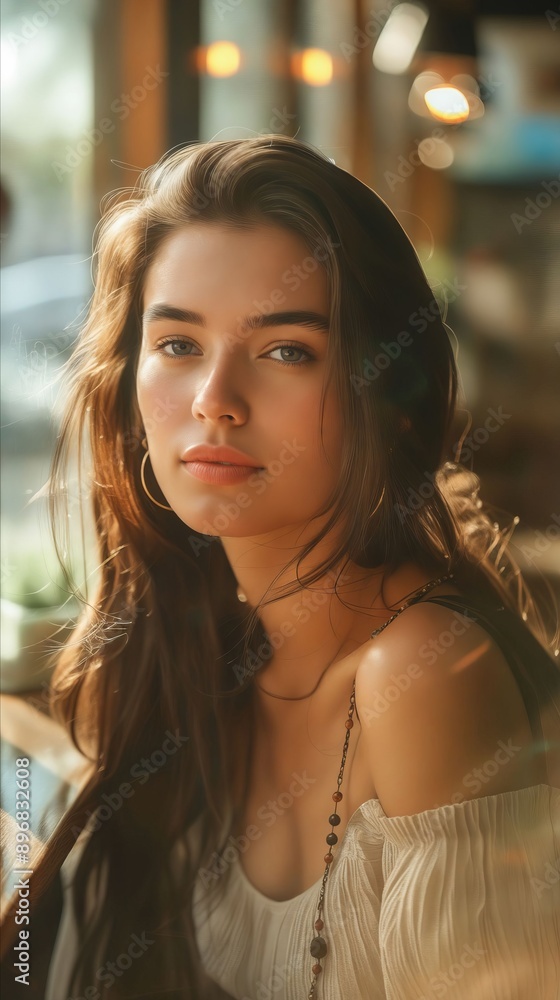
(156, 396)
(319, 470)
(146, 382)
(332, 431)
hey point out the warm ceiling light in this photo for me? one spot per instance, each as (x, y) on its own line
(222, 59)
(447, 104)
(313, 66)
(400, 37)
(421, 84)
(428, 82)
(471, 91)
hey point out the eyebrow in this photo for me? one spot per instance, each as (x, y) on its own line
(298, 317)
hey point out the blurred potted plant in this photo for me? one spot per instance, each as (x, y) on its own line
(34, 623)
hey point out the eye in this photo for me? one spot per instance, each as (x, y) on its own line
(293, 347)
(186, 349)
(174, 340)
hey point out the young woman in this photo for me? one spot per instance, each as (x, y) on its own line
(323, 719)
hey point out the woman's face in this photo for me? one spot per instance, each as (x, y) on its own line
(220, 380)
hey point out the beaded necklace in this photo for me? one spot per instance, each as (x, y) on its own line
(318, 947)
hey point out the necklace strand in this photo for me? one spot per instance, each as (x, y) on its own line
(299, 697)
(302, 697)
(318, 946)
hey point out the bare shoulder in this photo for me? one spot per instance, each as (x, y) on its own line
(442, 718)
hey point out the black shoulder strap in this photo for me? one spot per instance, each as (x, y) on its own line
(534, 670)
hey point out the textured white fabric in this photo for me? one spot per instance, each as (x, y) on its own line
(460, 901)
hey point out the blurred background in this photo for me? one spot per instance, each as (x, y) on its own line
(449, 109)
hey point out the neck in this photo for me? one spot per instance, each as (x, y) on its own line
(314, 627)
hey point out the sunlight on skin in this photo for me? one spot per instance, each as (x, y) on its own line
(469, 658)
(227, 387)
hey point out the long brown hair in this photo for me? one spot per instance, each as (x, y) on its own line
(157, 651)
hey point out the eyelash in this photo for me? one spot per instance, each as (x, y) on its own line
(291, 364)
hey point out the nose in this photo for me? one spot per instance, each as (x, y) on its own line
(216, 396)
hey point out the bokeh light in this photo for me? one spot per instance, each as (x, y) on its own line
(400, 37)
(447, 104)
(222, 59)
(313, 66)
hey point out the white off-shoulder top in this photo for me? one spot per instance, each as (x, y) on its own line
(462, 901)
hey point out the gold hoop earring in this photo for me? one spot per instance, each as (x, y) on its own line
(146, 490)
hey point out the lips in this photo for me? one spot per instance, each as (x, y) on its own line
(219, 465)
(222, 455)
